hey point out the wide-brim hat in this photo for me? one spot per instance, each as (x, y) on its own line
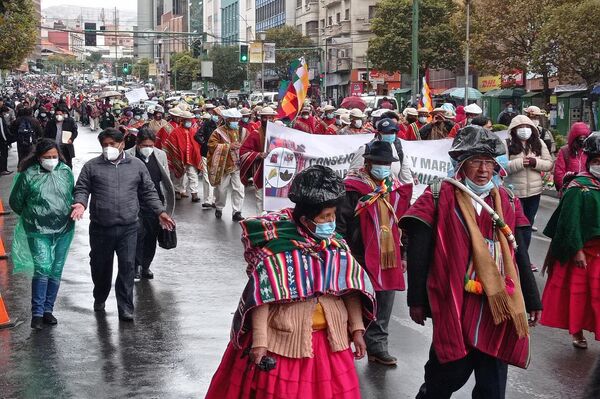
(473, 109)
(341, 111)
(176, 111)
(423, 110)
(245, 111)
(328, 108)
(316, 185)
(410, 111)
(267, 111)
(187, 115)
(208, 106)
(159, 108)
(379, 151)
(533, 110)
(231, 113)
(356, 113)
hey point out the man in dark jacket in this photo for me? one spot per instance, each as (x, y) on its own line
(202, 136)
(6, 139)
(26, 130)
(114, 181)
(63, 129)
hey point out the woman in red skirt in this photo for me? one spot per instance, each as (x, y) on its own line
(572, 294)
(303, 305)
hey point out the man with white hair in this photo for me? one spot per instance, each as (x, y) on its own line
(224, 164)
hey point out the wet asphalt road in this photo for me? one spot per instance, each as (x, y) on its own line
(183, 317)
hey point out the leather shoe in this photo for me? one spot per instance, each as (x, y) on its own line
(147, 273)
(99, 306)
(237, 217)
(126, 316)
(218, 214)
(36, 322)
(49, 319)
(383, 358)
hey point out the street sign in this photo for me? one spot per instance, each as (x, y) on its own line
(207, 69)
(255, 53)
(152, 70)
(269, 53)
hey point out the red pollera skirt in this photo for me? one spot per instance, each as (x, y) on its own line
(327, 375)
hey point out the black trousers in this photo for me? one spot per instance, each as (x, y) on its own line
(23, 151)
(442, 380)
(148, 229)
(104, 243)
(3, 156)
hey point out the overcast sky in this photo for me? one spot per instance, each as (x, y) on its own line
(120, 4)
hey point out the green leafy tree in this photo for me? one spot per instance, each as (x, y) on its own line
(185, 70)
(440, 42)
(228, 72)
(18, 32)
(94, 57)
(141, 69)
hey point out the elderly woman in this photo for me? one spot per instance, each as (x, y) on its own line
(42, 196)
(303, 304)
(528, 158)
(570, 297)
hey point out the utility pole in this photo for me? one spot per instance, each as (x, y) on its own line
(116, 58)
(468, 4)
(415, 50)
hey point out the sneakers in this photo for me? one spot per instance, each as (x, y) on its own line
(125, 316)
(48, 318)
(6, 172)
(237, 217)
(195, 198)
(206, 206)
(218, 214)
(138, 274)
(37, 323)
(147, 274)
(383, 358)
(533, 228)
(534, 268)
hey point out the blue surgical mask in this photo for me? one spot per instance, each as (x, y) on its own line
(245, 120)
(187, 124)
(215, 118)
(479, 189)
(388, 138)
(324, 230)
(381, 172)
(234, 125)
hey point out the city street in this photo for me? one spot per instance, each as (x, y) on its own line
(183, 316)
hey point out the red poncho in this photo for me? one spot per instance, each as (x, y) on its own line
(182, 150)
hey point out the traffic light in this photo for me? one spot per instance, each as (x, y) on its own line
(90, 34)
(321, 76)
(125, 68)
(244, 53)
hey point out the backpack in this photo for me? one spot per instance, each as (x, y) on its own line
(25, 134)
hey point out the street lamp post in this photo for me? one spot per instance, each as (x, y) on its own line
(262, 36)
(415, 50)
(468, 4)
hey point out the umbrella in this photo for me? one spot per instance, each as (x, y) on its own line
(353, 102)
(110, 93)
(459, 92)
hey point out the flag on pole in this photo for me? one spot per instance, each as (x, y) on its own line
(295, 94)
(426, 100)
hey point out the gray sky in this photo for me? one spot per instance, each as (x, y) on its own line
(120, 4)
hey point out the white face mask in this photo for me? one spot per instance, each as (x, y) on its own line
(49, 163)
(595, 171)
(146, 151)
(60, 118)
(111, 153)
(358, 123)
(187, 124)
(305, 116)
(524, 133)
(536, 122)
(423, 119)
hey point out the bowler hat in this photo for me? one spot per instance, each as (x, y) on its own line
(379, 151)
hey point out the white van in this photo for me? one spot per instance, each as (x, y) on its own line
(374, 102)
(268, 97)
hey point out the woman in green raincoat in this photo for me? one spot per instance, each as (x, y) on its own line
(42, 196)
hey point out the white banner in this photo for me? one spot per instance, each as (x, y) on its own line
(290, 151)
(136, 95)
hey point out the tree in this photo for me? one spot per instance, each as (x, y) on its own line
(511, 37)
(228, 73)
(141, 69)
(18, 32)
(574, 31)
(94, 57)
(185, 70)
(439, 38)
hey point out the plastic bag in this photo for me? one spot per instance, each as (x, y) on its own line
(315, 185)
(475, 140)
(20, 253)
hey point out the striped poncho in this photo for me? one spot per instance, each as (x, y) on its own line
(286, 265)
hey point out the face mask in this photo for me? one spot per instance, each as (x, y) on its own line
(536, 122)
(479, 189)
(51, 112)
(381, 172)
(304, 116)
(60, 118)
(111, 153)
(469, 120)
(245, 120)
(234, 125)
(43, 115)
(509, 109)
(524, 133)
(338, 122)
(595, 171)
(329, 115)
(137, 117)
(198, 116)
(215, 118)
(388, 138)
(358, 123)
(324, 230)
(146, 151)
(49, 164)
(187, 124)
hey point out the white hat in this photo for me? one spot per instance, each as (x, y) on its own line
(328, 108)
(378, 112)
(423, 110)
(356, 113)
(187, 115)
(341, 111)
(245, 111)
(533, 110)
(267, 111)
(159, 108)
(345, 119)
(150, 109)
(439, 110)
(305, 109)
(176, 111)
(231, 113)
(410, 111)
(473, 109)
(209, 106)
(205, 115)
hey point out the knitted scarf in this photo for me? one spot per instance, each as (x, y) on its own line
(385, 214)
(502, 287)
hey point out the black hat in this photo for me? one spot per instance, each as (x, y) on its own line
(591, 145)
(379, 151)
(316, 185)
(387, 125)
(475, 140)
